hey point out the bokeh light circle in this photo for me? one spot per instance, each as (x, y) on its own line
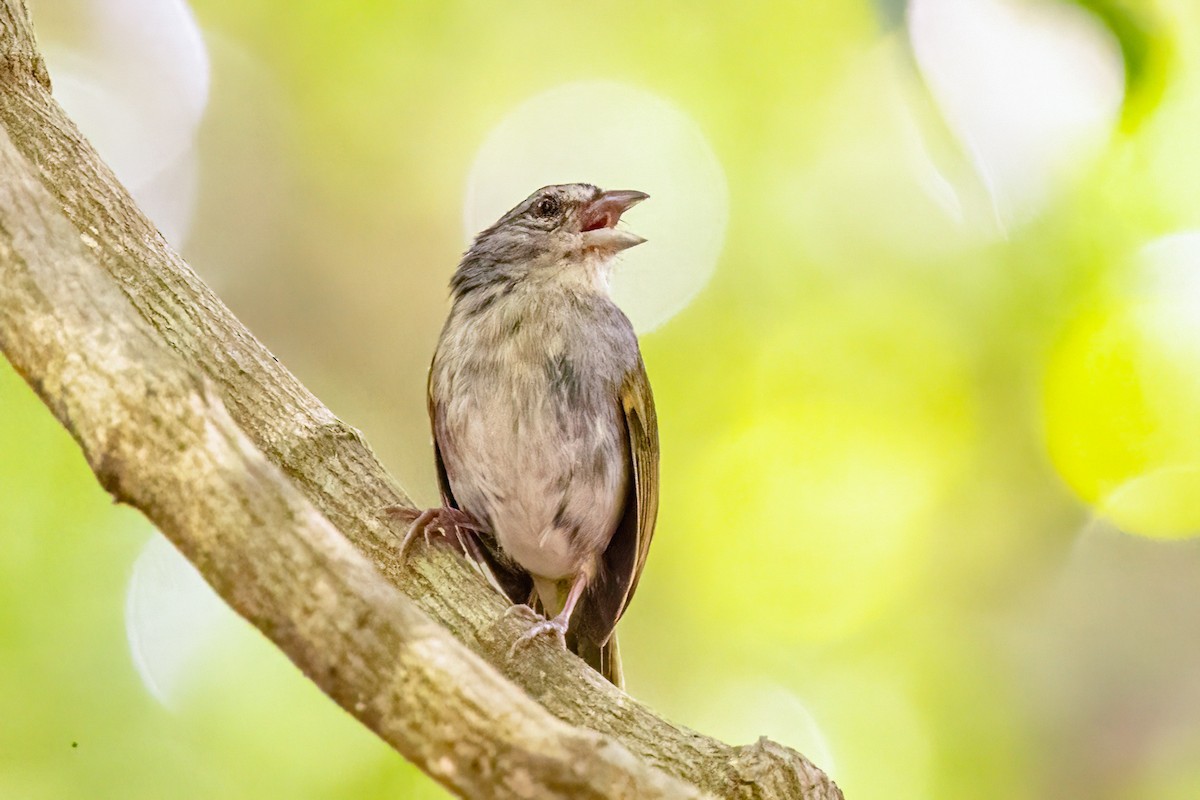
(172, 619)
(136, 80)
(617, 137)
(1122, 393)
(740, 711)
(1032, 91)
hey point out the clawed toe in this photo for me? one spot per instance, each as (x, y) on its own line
(399, 513)
(545, 627)
(441, 523)
(419, 527)
(521, 610)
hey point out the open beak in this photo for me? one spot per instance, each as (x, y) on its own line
(600, 218)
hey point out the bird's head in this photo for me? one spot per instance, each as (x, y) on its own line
(558, 230)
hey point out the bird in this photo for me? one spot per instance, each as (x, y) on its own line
(544, 427)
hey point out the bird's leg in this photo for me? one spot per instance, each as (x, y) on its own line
(556, 626)
(446, 523)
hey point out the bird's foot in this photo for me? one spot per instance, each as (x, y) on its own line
(523, 610)
(556, 627)
(446, 524)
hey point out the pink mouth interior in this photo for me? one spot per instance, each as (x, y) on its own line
(606, 218)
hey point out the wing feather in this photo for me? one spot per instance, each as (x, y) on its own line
(625, 557)
(642, 425)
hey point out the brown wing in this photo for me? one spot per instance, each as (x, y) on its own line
(609, 596)
(514, 582)
(435, 423)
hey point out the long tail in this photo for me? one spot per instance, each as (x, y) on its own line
(605, 658)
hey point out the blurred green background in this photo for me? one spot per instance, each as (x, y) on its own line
(921, 309)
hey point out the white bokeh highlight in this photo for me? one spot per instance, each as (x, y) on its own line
(882, 175)
(135, 79)
(172, 619)
(744, 710)
(617, 137)
(1032, 91)
(134, 75)
(1169, 274)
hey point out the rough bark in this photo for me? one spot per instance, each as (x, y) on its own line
(183, 414)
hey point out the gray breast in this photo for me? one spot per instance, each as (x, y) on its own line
(528, 422)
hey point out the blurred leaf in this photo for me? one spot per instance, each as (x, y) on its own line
(890, 12)
(1147, 48)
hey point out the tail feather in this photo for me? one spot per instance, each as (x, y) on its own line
(604, 658)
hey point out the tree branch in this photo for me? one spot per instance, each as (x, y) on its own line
(184, 415)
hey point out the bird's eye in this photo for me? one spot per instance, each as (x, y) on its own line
(546, 207)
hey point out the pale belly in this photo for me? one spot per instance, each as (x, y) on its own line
(529, 427)
(551, 489)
